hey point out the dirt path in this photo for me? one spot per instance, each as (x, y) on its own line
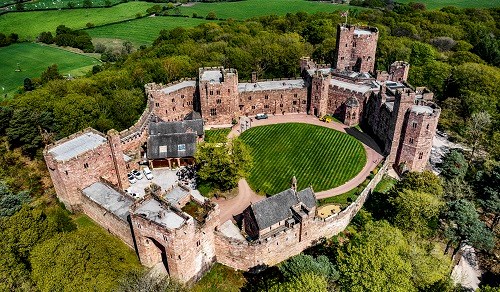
(246, 196)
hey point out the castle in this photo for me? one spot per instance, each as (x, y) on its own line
(180, 229)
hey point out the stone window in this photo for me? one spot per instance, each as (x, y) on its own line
(353, 116)
(281, 105)
(166, 111)
(295, 95)
(249, 98)
(253, 107)
(427, 127)
(181, 147)
(198, 243)
(420, 155)
(414, 125)
(66, 172)
(211, 92)
(218, 101)
(294, 102)
(266, 97)
(218, 92)
(157, 104)
(173, 99)
(165, 238)
(354, 44)
(341, 58)
(266, 106)
(86, 165)
(241, 107)
(139, 226)
(229, 90)
(213, 111)
(346, 45)
(182, 95)
(304, 101)
(179, 257)
(173, 108)
(411, 140)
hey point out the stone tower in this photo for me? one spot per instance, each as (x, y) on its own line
(319, 94)
(398, 71)
(117, 157)
(403, 101)
(356, 47)
(218, 89)
(351, 116)
(416, 138)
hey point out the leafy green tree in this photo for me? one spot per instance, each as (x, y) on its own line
(421, 53)
(463, 226)
(85, 260)
(475, 131)
(52, 73)
(304, 282)
(221, 165)
(424, 181)
(488, 189)
(87, 3)
(11, 202)
(211, 16)
(301, 264)
(139, 281)
(417, 211)
(454, 165)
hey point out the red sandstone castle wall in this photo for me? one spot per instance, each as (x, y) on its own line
(417, 141)
(173, 106)
(319, 95)
(190, 250)
(243, 255)
(273, 101)
(356, 52)
(219, 100)
(71, 176)
(107, 220)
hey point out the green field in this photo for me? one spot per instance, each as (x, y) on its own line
(55, 4)
(217, 135)
(436, 4)
(30, 24)
(142, 31)
(317, 156)
(250, 8)
(33, 59)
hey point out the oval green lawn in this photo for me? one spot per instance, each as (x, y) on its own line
(317, 156)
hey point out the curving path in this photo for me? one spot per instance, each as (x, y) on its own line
(246, 196)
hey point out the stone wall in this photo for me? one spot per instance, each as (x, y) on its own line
(273, 101)
(356, 52)
(244, 255)
(107, 220)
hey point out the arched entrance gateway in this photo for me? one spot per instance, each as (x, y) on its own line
(156, 253)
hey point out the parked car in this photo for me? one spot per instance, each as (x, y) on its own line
(131, 178)
(147, 173)
(261, 116)
(137, 174)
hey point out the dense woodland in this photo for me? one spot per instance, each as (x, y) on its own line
(455, 52)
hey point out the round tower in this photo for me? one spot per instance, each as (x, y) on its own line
(351, 115)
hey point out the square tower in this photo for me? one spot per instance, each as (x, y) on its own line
(356, 47)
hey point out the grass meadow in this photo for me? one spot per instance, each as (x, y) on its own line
(30, 24)
(142, 31)
(317, 156)
(33, 59)
(251, 8)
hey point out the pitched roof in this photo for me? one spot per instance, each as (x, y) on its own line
(277, 208)
(165, 128)
(171, 145)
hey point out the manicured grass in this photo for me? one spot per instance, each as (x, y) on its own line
(343, 200)
(317, 156)
(436, 4)
(33, 59)
(216, 135)
(220, 279)
(250, 8)
(142, 31)
(30, 24)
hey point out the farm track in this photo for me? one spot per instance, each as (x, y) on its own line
(247, 196)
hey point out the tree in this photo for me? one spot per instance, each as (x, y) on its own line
(138, 281)
(416, 211)
(28, 84)
(87, 259)
(454, 165)
(87, 3)
(475, 132)
(52, 73)
(304, 282)
(421, 53)
(424, 181)
(19, 6)
(211, 16)
(221, 165)
(301, 264)
(463, 226)
(11, 202)
(487, 185)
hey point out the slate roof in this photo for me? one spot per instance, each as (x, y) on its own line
(166, 128)
(171, 141)
(109, 199)
(193, 116)
(277, 208)
(76, 146)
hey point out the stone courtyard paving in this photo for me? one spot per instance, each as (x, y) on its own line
(163, 177)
